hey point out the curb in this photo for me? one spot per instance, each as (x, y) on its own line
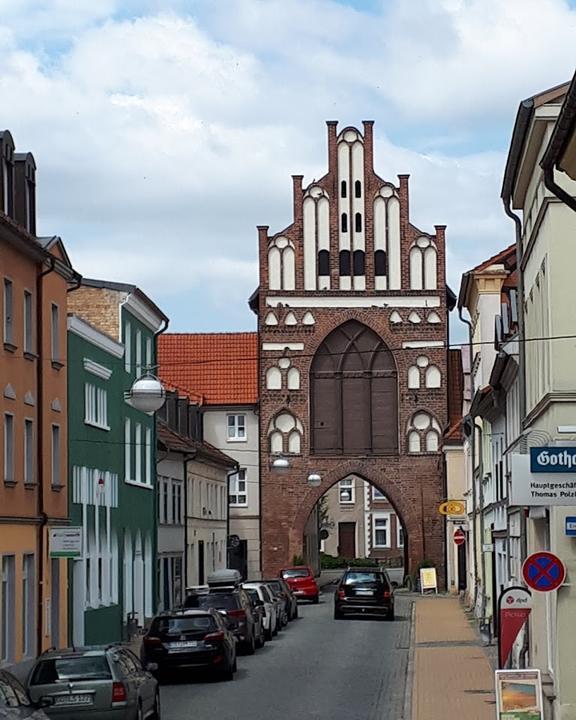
(409, 686)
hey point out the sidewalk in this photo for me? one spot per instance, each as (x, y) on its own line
(452, 676)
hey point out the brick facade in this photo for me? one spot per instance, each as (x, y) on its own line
(413, 482)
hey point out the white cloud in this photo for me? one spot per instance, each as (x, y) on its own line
(164, 139)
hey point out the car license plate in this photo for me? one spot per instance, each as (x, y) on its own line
(73, 700)
(183, 644)
(364, 593)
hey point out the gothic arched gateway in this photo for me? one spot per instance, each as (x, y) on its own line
(352, 321)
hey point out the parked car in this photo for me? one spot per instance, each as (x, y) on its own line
(301, 581)
(14, 701)
(364, 591)
(234, 605)
(280, 587)
(94, 682)
(190, 639)
(271, 621)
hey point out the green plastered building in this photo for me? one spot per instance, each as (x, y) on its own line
(115, 581)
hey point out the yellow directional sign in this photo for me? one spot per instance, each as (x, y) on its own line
(452, 507)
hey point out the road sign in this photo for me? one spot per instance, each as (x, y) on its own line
(543, 571)
(514, 607)
(570, 527)
(453, 507)
(459, 537)
(66, 542)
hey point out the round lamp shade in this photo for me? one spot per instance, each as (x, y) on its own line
(147, 394)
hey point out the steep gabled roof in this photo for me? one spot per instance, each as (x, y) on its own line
(220, 367)
(176, 442)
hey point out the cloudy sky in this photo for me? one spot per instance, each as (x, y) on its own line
(166, 130)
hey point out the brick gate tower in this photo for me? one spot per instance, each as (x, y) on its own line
(352, 320)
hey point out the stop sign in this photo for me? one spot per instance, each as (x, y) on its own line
(459, 537)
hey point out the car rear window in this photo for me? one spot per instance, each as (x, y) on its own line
(178, 624)
(365, 578)
(274, 584)
(295, 573)
(253, 595)
(219, 601)
(84, 667)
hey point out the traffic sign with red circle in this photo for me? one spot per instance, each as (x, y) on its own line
(543, 571)
(459, 537)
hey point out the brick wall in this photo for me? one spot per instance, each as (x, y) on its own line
(97, 306)
(413, 483)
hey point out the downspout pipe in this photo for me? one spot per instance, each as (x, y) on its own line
(522, 371)
(473, 456)
(40, 510)
(554, 188)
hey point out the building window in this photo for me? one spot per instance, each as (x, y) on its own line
(346, 491)
(176, 502)
(56, 459)
(8, 187)
(148, 457)
(358, 189)
(344, 223)
(28, 452)
(96, 406)
(359, 262)
(238, 493)
(377, 494)
(28, 601)
(9, 475)
(128, 347)
(148, 353)
(323, 262)
(343, 189)
(138, 341)
(8, 312)
(345, 264)
(236, 427)
(399, 534)
(28, 338)
(138, 452)
(380, 532)
(127, 449)
(55, 333)
(423, 433)
(380, 263)
(8, 609)
(358, 222)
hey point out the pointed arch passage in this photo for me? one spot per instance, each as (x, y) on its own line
(354, 394)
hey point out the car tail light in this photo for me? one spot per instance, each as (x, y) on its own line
(240, 614)
(341, 594)
(152, 641)
(118, 692)
(214, 637)
(387, 593)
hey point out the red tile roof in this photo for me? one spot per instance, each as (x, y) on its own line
(222, 368)
(504, 257)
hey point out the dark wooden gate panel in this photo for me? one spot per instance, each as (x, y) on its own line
(384, 415)
(326, 416)
(356, 438)
(347, 540)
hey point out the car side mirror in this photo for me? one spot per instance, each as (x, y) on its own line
(152, 667)
(45, 702)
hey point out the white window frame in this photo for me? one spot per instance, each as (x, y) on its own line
(8, 608)
(138, 341)
(96, 406)
(28, 605)
(56, 456)
(377, 494)
(8, 311)
(234, 429)
(29, 455)
(382, 517)
(9, 454)
(399, 533)
(127, 347)
(235, 491)
(127, 450)
(148, 456)
(347, 484)
(28, 319)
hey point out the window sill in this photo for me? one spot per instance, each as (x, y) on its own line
(237, 440)
(29, 355)
(97, 425)
(10, 483)
(134, 483)
(10, 347)
(57, 364)
(57, 488)
(30, 486)
(234, 506)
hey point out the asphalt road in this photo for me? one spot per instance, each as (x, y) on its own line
(317, 668)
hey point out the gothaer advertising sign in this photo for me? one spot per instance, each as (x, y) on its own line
(532, 485)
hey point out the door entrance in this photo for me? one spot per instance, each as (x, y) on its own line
(201, 562)
(462, 567)
(347, 540)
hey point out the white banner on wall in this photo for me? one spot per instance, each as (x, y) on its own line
(541, 488)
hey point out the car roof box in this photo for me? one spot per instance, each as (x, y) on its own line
(224, 578)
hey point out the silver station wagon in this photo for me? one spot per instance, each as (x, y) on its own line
(94, 683)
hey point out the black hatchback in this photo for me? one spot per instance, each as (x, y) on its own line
(190, 639)
(364, 591)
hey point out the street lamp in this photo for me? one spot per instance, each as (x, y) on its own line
(280, 464)
(314, 480)
(147, 394)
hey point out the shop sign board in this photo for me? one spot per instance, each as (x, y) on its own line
(519, 695)
(540, 488)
